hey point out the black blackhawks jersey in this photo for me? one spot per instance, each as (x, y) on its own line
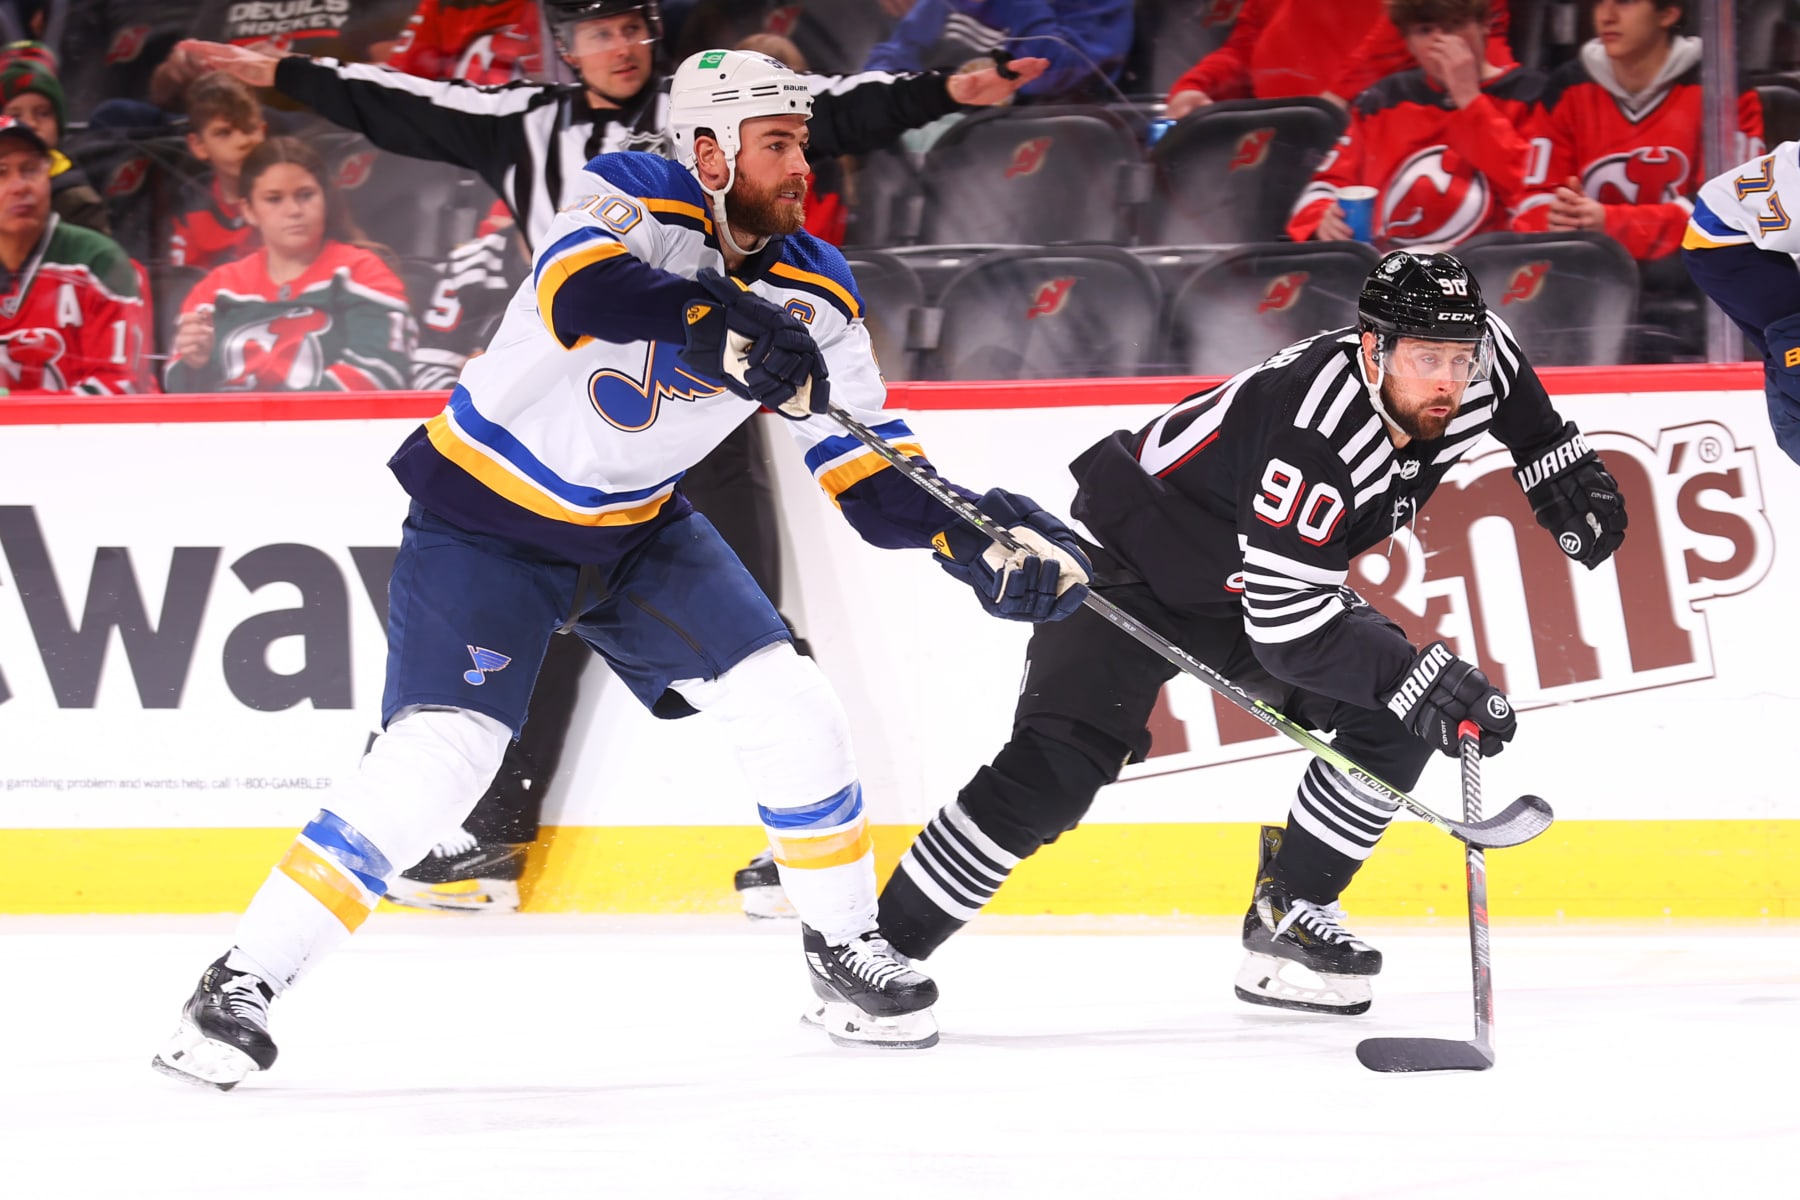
(1259, 492)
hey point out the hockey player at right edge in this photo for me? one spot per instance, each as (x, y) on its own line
(1228, 525)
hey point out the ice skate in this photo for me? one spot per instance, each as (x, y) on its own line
(759, 889)
(224, 1031)
(1300, 956)
(463, 874)
(868, 995)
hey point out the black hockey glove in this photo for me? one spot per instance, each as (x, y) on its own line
(1046, 581)
(1574, 497)
(757, 349)
(1440, 691)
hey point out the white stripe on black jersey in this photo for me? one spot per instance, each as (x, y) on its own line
(1259, 493)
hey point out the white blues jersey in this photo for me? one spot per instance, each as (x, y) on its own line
(1754, 204)
(1256, 494)
(578, 445)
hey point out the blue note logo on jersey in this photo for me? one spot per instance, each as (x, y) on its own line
(485, 660)
(631, 405)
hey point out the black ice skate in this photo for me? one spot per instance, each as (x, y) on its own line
(759, 889)
(224, 1031)
(1300, 955)
(463, 875)
(868, 995)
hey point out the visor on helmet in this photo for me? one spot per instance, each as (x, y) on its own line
(1418, 358)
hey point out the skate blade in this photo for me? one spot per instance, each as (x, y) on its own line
(192, 1057)
(466, 895)
(1282, 983)
(848, 1025)
(766, 904)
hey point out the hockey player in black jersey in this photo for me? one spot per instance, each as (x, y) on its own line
(1228, 525)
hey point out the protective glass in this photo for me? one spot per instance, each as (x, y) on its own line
(1457, 362)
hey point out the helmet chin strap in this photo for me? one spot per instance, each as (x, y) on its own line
(718, 199)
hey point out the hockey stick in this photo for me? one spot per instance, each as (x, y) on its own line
(1447, 1054)
(1523, 819)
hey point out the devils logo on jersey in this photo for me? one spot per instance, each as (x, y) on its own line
(29, 360)
(1433, 199)
(502, 56)
(283, 353)
(1645, 175)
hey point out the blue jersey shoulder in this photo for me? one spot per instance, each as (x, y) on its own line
(818, 266)
(647, 176)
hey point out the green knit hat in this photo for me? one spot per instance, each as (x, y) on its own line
(19, 75)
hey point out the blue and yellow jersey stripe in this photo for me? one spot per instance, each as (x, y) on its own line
(502, 464)
(1705, 231)
(840, 463)
(836, 293)
(583, 248)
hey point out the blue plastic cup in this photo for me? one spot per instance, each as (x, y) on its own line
(1358, 205)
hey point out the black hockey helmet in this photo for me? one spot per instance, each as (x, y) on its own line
(1429, 296)
(564, 13)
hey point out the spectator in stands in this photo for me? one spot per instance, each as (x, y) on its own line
(479, 41)
(33, 94)
(1084, 40)
(73, 317)
(309, 310)
(1281, 48)
(225, 123)
(1442, 144)
(1616, 139)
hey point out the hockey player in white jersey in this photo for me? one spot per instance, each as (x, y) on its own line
(1740, 247)
(546, 495)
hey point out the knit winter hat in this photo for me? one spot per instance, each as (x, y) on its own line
(21, 74)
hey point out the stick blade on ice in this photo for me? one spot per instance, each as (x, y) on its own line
(1396, 1055)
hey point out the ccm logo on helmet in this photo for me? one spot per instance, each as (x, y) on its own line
(1455, 316)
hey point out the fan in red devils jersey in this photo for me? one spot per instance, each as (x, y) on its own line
(72, 311)
(1228, 525)
(481, 41)
(225, 123)
(306, 312)
(1442, 145)
(1616, 141)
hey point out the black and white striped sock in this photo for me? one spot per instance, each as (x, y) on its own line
(1338, 813)
(946, 876)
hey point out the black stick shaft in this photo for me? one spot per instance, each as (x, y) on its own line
(1476, 871)
(1170, 652)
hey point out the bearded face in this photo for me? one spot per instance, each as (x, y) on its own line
(773, 209)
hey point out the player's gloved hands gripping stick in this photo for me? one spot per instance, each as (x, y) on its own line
(757, 349)
(1046, 580)
(1574, 497)
(1440, 691)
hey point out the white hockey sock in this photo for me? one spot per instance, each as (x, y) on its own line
(1338, 812)
(793, 743)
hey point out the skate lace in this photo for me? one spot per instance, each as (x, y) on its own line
(245, 1000)
(1323, 921)
(460, 843)
(871, 960)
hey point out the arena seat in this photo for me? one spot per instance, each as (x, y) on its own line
(415, 207)
(1780, 96)
(1047, 313)
(885, 204)
(892, 302)
(1036, 175)
(1248, 303)
(1230, 172)
(1570, 298)
(936, 266)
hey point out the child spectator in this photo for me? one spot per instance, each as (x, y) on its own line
(1442, 144)
(72, 316)
(1616, 139)
(306, 311)
(225, 123)
(32, 93)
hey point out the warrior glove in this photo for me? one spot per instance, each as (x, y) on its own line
(1440, 691)
(1044, 580)
(757, 349)
(1574, 497)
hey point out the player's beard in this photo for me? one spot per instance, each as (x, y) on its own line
(760, 212)
(1419, 425)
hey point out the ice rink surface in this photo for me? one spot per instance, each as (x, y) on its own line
(543, 1056)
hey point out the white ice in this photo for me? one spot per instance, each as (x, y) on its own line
(542, 1056)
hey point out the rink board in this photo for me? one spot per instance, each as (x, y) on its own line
(191, 654)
